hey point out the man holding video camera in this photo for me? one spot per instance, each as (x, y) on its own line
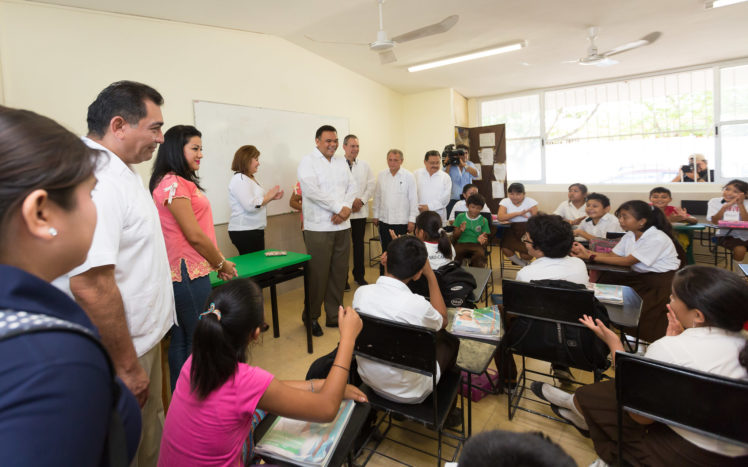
(460, 170)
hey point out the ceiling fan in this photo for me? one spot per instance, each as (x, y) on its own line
(602, 59)
(384, 45)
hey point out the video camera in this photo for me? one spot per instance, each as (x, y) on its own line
(451, 156)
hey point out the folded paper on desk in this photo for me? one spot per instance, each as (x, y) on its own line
(305, 443)
(481, 322)
(607, 293)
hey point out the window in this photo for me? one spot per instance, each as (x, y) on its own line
(523, 143)
(639, 130)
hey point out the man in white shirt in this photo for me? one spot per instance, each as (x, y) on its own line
(434, 186)
(328, 190)
(395, 200)
(365, 182)
(125, 284)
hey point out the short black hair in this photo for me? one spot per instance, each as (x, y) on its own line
(125, 99)
(604, 200)
(405, 257)
(660, 189)
(499, 448)
(550, 234)
(476, 199)
(582, 187)
(323, 129)
(516, 187)
(467, 187)
(431, 153)
(346, 139)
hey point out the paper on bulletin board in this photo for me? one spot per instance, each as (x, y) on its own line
(499, 171)
(486, 156)
(478, 177)
(497, 189)
(487, 139)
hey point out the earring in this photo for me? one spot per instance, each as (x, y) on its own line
(53, 231)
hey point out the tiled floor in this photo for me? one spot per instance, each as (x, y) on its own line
(286, 357)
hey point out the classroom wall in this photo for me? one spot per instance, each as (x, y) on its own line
(429, 124)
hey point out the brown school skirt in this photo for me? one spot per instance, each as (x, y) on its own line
(512, 238)
(650, 445)
(654, 289)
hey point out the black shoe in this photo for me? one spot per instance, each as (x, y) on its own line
(562, 373)
(316, 329)
(361, 281)
(582, 431)
(347, 287)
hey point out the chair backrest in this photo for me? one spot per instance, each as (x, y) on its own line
(404, 346)
(547, 303)
(695, 207)
(709, 404)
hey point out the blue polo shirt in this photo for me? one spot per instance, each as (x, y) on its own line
(55, 387)
(459, 180)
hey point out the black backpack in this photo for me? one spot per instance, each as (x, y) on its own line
(456, 284)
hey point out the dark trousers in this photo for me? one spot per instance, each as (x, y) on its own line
(328, 270)
(190, 296)
(248, 241)
(474, 252)
(358, 229)
(385, 238)
(450, 205)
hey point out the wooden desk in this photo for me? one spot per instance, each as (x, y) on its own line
(268, 271)
(689, 229)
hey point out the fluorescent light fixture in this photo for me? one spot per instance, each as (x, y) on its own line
(720, 3)
(470, 56)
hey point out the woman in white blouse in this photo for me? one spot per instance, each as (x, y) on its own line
(248, 200)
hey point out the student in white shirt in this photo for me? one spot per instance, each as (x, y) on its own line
(247, 200)
(573, 210)
(705, 316)
(395, 200)
(731, 207)
(434, 186)
(599, 220)
(429, 230)
(517, 208)
(461, 206)
(649, 249)
(389, 298)
(365, 183)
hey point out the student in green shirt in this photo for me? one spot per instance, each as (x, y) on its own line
(471, 233)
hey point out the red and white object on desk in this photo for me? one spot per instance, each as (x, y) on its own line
(733, 224)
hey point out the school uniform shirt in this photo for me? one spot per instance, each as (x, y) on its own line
(707, 349)
(245, 201)
(714, 205)
(434, 190)
(365, 183)
(474, 228)
(527, 203)
(395, 197)
(607, 223)
(128, 235)
(436, 258)
(461, 206)
(654, 250)
(326, 187)
(391, 299)
(567, 210)
(567, 268)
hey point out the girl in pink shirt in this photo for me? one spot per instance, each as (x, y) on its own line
(210, 417)
(187, 225)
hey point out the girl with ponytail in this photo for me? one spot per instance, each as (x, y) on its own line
(429, 230)
(214, 404)
(649, 249)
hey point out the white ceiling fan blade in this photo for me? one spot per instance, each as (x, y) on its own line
(388, 56)
(437, 28)
(646, 40)
(333, 42)
(602, 62)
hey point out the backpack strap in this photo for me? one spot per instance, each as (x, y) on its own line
(14, 323)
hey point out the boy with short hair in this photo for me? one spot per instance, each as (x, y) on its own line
(389, 298)
(600, 220)
(471, 233)
(660, 197)
(549, 239)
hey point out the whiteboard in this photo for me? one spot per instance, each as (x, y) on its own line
(282, 138)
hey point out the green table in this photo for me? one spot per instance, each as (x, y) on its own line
(268, 271)
(689, 229)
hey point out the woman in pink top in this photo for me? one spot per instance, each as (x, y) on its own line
(211, 412)
(187, 225)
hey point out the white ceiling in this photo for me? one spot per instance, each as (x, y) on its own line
(554, 29)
